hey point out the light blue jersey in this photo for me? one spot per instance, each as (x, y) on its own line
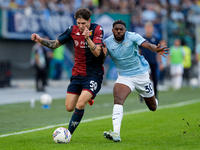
(126, 55)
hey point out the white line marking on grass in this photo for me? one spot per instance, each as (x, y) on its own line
(108, 116)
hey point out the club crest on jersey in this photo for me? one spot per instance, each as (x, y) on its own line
(90, 33)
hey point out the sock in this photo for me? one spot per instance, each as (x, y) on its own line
(156, 102)
(117, 118)
(75, 119)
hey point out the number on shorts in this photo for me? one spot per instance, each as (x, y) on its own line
(93, 85)
(148, 88)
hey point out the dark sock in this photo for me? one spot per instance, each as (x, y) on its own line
(75, 119)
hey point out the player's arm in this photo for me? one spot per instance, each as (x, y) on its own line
(156, 49)
(53, 44)
(95, 49)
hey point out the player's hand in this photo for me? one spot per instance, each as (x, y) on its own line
(162, 50)
(86, 33)
(104, 49)
(35, 37)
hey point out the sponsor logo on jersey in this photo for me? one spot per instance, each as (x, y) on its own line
(98, 38)
(76, 42)
(125, 43)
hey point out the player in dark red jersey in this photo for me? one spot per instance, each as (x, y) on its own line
(87, 73)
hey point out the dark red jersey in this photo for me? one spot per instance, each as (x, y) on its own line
(86, 64)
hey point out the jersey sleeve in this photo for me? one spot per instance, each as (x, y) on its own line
(107, 46)
(66, 36)
(137, 38)
(98, 35)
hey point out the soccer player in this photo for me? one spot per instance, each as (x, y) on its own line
(122, 47)
(87, 73)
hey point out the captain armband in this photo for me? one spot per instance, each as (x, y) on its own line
(93, 48)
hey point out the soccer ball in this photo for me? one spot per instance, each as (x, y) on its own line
(45, 99)
(194, 82)
(62, 135)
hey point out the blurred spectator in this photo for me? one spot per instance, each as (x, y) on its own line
(21, 3)
(57, 63)
(176, 26)
(39, 60)
(162, 64)
(105, 6)
(197, 54)
(13, 4)
(150, 56)
(52, 5)
(175, 60)
(149, 13)
(187, 63)
(64, 6)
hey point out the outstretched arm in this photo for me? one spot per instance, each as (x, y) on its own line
(53, 44)
(156, 49)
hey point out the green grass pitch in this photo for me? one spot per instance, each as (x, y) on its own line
(174, 126)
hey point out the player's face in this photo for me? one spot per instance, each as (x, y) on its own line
(82, 23)
(119, 31)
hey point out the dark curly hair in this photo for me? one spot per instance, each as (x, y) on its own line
(119, 22)
(84, 13)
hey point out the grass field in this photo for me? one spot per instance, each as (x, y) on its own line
(175, 125)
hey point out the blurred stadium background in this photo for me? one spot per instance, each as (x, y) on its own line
(49, 18)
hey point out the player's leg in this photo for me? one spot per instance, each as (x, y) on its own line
(144, 87)
(79, 110)
(151, 102)
(70, 101)
(90, 86)
(120, 93)
(121, 90)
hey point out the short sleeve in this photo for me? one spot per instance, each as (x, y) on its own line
(66, 36)
(137, 38)
(98, 35)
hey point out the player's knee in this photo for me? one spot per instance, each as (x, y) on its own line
(69, 109)
(81, 104)
(118, 100)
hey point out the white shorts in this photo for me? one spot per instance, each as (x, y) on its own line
(140, 83)
(176, 69)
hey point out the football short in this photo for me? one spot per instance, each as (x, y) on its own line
(91, 84)
(141, 83)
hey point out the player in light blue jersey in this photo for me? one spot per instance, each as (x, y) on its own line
(122, 47)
